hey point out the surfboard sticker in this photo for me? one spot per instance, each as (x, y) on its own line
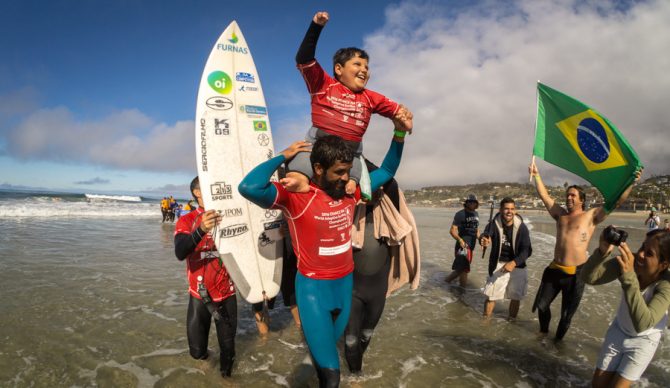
(232, 136)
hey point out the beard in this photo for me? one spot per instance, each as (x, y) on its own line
(335, 189)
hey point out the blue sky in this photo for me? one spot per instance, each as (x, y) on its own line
(83, 83)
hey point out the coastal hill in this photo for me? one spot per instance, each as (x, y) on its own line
(651, 192)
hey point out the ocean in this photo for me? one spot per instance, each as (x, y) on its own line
(92, 295)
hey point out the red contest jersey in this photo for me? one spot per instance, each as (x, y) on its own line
(320, 230)
(204, 261)
(339, 111)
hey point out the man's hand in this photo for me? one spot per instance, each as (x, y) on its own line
(299, 146)
(403, 119)
(484, 241)
(603, 246)
(321, 18)
(462, 243)
(210, 219)
(626, 259)
(509, 267)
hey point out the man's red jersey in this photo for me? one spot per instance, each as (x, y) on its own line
(320, 230)
(204, 261)
(339, 111)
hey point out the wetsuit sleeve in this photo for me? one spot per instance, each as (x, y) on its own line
(381, 104)
(597, 270)
(307, 51)
(645, 315)
(524, 246)
(389, 167)
(256, 186)
(185, 244)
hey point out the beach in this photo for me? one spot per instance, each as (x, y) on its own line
(94, 296)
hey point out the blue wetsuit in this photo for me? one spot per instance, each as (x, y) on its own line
(324, 304)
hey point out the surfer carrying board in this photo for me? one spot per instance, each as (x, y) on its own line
(341, 106)
(320, 222)
(212, 293)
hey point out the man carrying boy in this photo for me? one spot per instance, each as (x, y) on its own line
(320, 222)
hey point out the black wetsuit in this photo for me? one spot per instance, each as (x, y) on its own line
(371, 271)
(554, 281)
(198, 320)
(189, 246)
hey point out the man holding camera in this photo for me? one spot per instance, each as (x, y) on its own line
(574, 227)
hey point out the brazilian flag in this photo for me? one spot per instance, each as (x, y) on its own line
(575, 137)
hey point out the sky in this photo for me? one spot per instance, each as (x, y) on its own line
(99, 96)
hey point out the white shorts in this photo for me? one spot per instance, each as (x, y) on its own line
(628, 356)
(510, 285)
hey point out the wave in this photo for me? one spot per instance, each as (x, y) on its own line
(124, 198)
(70, 209)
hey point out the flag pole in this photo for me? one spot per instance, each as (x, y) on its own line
(532, 160)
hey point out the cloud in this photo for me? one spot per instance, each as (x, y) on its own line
(94, 181)
(470, 76)
(126, 139)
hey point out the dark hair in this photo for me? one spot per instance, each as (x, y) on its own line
(195, 184)
(344, 54)
(662, 237)
(582, 194)
(329, 149)
(507, 200)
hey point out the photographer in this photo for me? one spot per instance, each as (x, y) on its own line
(633, 336)
(653, 221)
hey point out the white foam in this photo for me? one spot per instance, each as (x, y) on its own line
(102, 197)
(80, 209)
(290, 345)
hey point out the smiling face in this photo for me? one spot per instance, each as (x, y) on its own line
(353, 74)
(648, 262)
(573, 201)
(334, 179)
(507, 212)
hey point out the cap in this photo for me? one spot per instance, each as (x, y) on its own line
(471, 198)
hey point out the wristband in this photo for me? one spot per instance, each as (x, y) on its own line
(399, 133)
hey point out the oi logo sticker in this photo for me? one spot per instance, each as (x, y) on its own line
(220, 82)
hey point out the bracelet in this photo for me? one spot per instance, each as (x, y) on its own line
(537, 176)
(399, 133)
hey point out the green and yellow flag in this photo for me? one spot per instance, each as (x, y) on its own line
(575, 137)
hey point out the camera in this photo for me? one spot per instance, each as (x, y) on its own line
(615, 236)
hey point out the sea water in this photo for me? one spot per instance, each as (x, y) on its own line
(92, 295)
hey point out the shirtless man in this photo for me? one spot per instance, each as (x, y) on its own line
(574, 227)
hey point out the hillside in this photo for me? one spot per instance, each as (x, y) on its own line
(654, 191)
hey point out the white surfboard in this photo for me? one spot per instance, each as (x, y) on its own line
(232, 132)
